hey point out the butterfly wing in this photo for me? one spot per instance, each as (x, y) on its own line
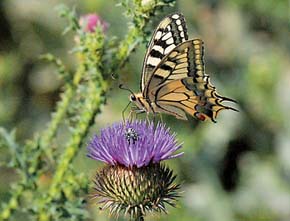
(170, 32)
(179, 84)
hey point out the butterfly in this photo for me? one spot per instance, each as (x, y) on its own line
(173, 75)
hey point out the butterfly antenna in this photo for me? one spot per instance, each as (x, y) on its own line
(121, 86)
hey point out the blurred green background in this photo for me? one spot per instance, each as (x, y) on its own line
(237, 169)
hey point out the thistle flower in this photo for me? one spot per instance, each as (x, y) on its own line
(134, 181)
(89, 23)
(133, 144)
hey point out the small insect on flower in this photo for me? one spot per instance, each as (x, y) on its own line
(131, 135)
(136, 143)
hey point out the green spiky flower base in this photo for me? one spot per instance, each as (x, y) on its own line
(135, 191)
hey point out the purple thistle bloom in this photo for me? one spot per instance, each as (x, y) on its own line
(135, 143)
(134, 182)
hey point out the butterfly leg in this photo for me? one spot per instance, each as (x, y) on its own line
(133, 113)
(123, 112)
(137, 112)
(161, 119)
(148, 120)
(155, 120)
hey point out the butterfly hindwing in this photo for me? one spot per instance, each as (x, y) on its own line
(170, 32)
(179, 84)
(169, 98)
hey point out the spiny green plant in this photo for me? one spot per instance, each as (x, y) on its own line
(83, 93)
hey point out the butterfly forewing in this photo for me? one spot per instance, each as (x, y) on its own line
(170, 32)
(185, 60)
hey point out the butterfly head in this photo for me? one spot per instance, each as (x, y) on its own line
(138, 100)
(132, 98)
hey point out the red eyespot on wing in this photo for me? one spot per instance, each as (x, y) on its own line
(200, 116)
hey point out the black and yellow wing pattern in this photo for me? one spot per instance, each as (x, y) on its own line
(178, 84)
(170, 32)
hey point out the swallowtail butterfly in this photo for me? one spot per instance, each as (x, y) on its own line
(173, 77)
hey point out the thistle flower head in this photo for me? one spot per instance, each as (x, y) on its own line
(89, 23)
(135, 191)
(133, 144)
(133, 181)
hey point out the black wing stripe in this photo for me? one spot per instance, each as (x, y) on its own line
(179, 63)
(170, 32)
(173, 76)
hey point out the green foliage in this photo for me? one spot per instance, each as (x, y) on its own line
(237, 169)
(83, 94)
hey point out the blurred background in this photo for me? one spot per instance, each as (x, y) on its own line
(237, 169)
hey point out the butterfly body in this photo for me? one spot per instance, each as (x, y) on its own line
(173, 76)
(143, 104)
